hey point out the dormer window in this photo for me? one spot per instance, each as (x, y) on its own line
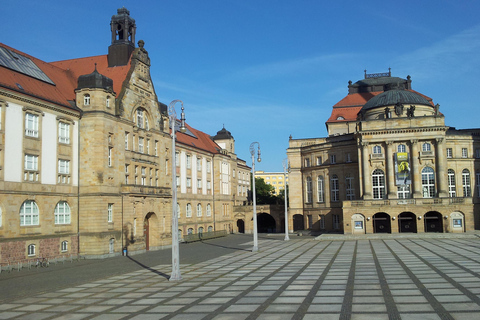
(340, 118)
(86, 100)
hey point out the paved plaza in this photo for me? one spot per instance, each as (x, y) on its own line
(415, 278)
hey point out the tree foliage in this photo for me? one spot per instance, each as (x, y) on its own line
(265, 193)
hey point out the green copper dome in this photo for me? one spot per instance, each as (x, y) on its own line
(392, 97)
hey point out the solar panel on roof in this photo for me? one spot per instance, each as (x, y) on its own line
(22, 64)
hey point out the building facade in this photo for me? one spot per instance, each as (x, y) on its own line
(275, 179)
(389, 164)
(85, 159)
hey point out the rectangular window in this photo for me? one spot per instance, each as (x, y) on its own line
(63, 132)
(477, 153)
(199, 164)
(209, 185)
(110, 149)
(126, 140)
(63, 166)
(336, 221)
(464, 153)
(319, 161)
(348, 158)
(333, 159)
(148, 146)
(457, 223)
(177, 159)
(449, 153)
(209, 166)
(31, 162)
(189, 182)
(140, 144)
(156, 147)
(189, 161)
(350, 188)
(110, 212)
(31, 125)
(307, 162)
(199, 183)
(133, 142)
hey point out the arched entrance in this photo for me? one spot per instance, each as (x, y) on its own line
(298, 222)
(150, 230)
(433, 221)
(407, 222)
(265, 223)
(241, 226)
(381, 223)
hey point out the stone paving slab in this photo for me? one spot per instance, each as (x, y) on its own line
(433, 278)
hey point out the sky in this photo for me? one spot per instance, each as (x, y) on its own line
(269, 69)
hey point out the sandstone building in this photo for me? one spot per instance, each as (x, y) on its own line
(389, 164)
(85, 159)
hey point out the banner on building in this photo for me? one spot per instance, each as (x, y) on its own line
(402, 169)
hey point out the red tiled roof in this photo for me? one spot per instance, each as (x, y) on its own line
(82, 66)
(347, 113)
(202, 140)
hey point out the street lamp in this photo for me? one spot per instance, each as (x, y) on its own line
(175, 249)
(285, 168)
(255, 234)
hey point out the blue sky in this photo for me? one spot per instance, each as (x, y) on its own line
(270, 69)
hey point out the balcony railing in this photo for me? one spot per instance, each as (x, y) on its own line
(402, 202)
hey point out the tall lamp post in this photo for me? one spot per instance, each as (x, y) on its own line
(175, 249)
(255, 234)
(285, 168)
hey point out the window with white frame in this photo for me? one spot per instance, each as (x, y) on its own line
(63, 171)
(29, 214)
(189, 210)
(199, 183)
(107, 101)
(110, 212)
(141, 142)
(156, 147)
(142, 118)
(464, 153)
(148, 146)
(467, 191)
(86, 99)
(62, 213)
(199, 164)
(189, 182)
(225, 176)
(333, 159)
(377, 150)
(63, 132)
(209, 185)
(334, 189)
(178, 210)
(449, 153)
(452, 192)
(401, 148)
(307, 162)
(320, 189)
(378, 184)
(177, 181)
(319, 161)
(428, 182)
(189, 161)
(308, 188)
(209, 166)
(64, 246)
(31, 168)
(31, 250)
(209, 210)
(144, 176)
(127, 134)
(349, 187)
(177, 159)
(199, 210)
(426, 147)
(403, 192)
(31, 125)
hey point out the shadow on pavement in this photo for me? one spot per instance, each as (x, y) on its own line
(149, 268)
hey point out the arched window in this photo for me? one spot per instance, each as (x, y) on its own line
(349, 188)
(428, 182)
(86, 99)
(142, 118)
(200, 230)
(452, 192)
(210, 229)
(340, 118)
(378, 183)
(320, 188)
(467, 191)
(309, 189)
(209, 210)
(334, 189)
(64, 246)
(401, 148)
(426, 147)
(29, 213)
(31, 250)
(199, 210)
(377, 150)
(190, 231)
(62, 213)
(189, 210)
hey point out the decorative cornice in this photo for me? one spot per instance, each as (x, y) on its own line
(401, 131)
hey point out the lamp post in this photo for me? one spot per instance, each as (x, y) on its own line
(285, 168)
(255, 234)
(175, 249)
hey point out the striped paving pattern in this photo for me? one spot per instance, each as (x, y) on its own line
(298, 279)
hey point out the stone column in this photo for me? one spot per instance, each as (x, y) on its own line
(390, 171)
(367, 187)
(415, 173)
(441, 167)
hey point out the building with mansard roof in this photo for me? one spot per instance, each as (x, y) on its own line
(85, 165)
(388, 165)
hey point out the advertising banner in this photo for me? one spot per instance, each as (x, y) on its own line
(402, 169)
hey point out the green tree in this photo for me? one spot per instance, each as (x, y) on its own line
(265, 193)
